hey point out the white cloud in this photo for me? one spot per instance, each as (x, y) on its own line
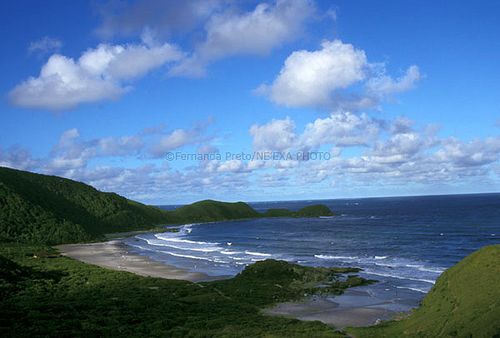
(277, 135)
(180, 138)
(471, 154)
(98, 74)
(341, 129)
(337, 76)
(174, 140)
(18, 158)
(120, 146)
(384, 85)
(252, 33)
(309, 78)
(45, 45)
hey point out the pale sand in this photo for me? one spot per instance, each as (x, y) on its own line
(114, 255)
(361, 310)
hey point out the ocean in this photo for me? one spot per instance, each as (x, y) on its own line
(403, 242)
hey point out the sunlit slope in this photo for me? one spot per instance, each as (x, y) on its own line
(465, 302)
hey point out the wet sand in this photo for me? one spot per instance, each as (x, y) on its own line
(353, 308)
(114, 255)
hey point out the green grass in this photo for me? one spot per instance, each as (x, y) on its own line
(56, 296)
(465, 302)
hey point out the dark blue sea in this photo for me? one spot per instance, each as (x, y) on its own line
(403, 242)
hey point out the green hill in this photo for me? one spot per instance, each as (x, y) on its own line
(44, 209)
(48, 209)
(316, 210)
(465, 302)
(209, 210)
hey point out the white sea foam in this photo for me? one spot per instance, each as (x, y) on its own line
(200, 249)
(164, 237)
(381, 257)
(210, 259)
(335, 257)
(399, 277)
(431, 270)
(227, 252)
(410, 288)
(253, 253)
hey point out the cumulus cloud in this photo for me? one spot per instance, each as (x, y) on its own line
(255, 32)
(277, 135)
(322, 78)
(471, 154)
(340, 129)
(99, 74)
(309, 78)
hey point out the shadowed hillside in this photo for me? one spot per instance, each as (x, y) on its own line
(48, 209)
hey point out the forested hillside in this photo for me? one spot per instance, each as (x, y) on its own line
(44, 209)
(48, 209)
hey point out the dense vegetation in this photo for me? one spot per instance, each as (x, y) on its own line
(48, 209)
(465, 302)
(209, 210)
(43, 209)
(309, 211)
(53, 295)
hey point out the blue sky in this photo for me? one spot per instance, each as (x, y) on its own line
(402, 96)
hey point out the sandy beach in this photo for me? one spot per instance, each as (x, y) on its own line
(114, 255)
(354, 308)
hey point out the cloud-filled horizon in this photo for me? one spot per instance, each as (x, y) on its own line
(397, 110)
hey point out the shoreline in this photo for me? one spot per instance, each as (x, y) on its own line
(354, 308)
(114, 255)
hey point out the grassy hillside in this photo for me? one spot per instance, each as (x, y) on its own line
(48, 209)
(45, 209)
(465, 302)
(55, 296)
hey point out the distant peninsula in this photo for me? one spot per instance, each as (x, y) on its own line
(36, 208)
